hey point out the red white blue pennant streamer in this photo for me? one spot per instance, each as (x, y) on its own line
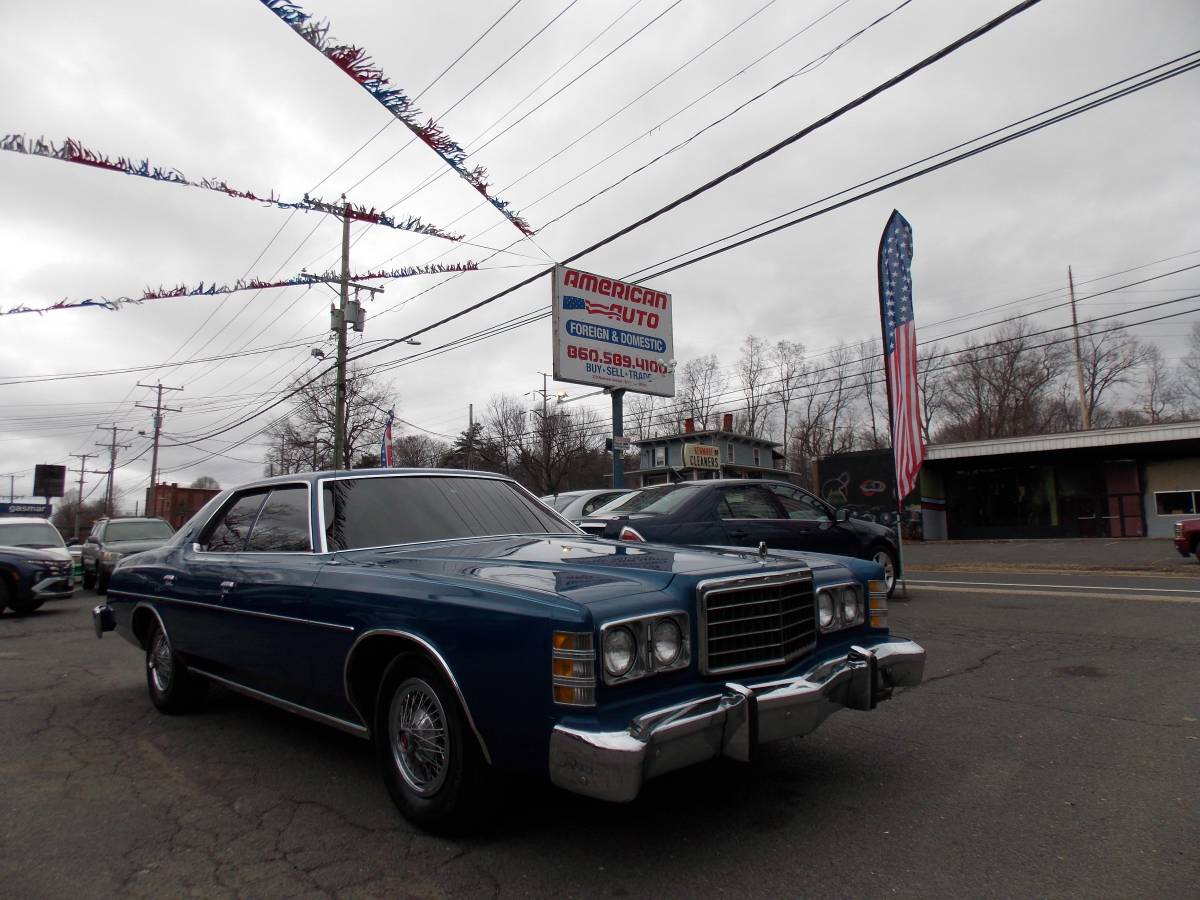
(162, 293)
(72, 151)
(355, 62)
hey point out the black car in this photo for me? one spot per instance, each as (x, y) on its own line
(745, 513)
(117, 537)
(34, 565)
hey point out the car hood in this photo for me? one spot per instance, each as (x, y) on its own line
(585, 570)
(58, 554)
(134, 546)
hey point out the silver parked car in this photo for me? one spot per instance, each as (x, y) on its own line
(575, 505)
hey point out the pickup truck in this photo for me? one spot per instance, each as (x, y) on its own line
(1187, 537)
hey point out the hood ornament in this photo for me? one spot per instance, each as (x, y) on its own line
(762, 550)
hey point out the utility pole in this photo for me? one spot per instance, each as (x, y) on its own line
(83, 470)
(339, 421)
(470, 432)
(159, 409)
(112, 447)
(1084, 414)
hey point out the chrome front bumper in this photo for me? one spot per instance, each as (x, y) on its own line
(614, 765)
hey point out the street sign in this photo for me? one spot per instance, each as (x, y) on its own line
(49, 481)
(612, 334)
(25, 509)
(621, 442)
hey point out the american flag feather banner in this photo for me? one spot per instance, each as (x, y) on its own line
(900, 351)
(386, 458)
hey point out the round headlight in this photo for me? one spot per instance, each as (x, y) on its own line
(849, 605)
(620, 650)
(667, 641)
(825, 608)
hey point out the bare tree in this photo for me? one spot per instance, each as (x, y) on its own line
(1190, 382)
(787, 359)
(872, 387)
(639, 416)
(506, 423)
(556, 446)
(207, 482)
(1111, 357)
(701, 382)
(752, 372)
(1161, 391)
(1003, 387)
(843, 390)
(303, 441)
(418, 451)
(932, 376)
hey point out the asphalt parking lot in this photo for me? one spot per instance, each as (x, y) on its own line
(1053, 751)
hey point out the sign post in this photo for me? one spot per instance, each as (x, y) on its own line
(615, 335)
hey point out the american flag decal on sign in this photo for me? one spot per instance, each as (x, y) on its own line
(900, 351)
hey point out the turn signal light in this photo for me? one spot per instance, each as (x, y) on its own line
(573, 668)
(877, 603)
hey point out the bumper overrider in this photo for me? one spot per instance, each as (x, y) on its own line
(614, 765)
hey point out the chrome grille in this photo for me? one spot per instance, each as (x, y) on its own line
(755, 622)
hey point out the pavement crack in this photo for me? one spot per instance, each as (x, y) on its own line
(974, 667)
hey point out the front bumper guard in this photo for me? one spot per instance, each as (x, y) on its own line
(614, 765)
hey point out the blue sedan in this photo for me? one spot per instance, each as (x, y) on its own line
(465, 628)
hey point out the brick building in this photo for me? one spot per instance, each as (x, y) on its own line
(178, 504)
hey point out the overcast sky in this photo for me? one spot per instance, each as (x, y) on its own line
(233, 94)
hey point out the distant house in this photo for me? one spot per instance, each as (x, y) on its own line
(695, 455)
(178, 504)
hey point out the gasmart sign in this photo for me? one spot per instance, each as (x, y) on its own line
(612, 334)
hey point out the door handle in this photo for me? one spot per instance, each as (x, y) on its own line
(228, 586)
(168, 579)
(737, 533)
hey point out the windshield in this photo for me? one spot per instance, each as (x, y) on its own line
(381, 512)
(664, 499)
(29, 534)
(137, 531)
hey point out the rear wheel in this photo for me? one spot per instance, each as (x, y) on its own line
(101, 582)
(89, 579)
(1196, 547)
(884, 557)
(428, 756)
(173, 689)
(5, 591)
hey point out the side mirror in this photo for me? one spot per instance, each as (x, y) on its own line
(93, 540)
(841, 515)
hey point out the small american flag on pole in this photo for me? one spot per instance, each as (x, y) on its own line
(900, 351)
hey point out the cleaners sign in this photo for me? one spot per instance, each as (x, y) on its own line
(612, 334)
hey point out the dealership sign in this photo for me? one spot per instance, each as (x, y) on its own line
(25, 509)
(612, 334)
(701, 456)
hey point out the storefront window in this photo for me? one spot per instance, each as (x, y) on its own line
(1176, 503)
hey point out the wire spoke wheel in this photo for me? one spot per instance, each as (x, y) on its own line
(419, 738)
(161, 662)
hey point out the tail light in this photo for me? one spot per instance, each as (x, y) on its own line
(629, 534)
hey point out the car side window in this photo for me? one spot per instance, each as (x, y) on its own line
(750, 502)
(282, 525)
(228, 534)
(799, 505)
(598, 501)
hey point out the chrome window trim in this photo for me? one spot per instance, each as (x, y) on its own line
(441, 661)
(162, 598)
(733, 583)
(573, 530)
(287, 705)
(268, 488)
(648, 665)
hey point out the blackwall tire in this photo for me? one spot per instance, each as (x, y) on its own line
(101, 582)
(173, 689)
(89, 579)
(428, 756)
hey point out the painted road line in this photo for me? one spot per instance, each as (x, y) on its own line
(1062, 595)
(1062, 587)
